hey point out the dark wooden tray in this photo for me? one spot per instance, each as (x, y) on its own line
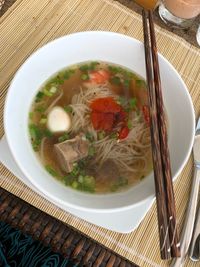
(77, 247)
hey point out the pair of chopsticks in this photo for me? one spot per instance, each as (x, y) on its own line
(169, 239)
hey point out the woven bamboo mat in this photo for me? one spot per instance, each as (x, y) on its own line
(30, 24)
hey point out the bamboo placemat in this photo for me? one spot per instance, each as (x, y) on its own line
(30, 24)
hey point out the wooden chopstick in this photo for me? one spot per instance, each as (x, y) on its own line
(171, 209)
(169, 245)
(165, 249)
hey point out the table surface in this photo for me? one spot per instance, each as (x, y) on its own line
(189, 35)
(22, 31)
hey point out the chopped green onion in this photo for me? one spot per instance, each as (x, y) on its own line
(43, 120)
(40, 109)
(115, 69)
(35, 132)
(63, 137)
(114, 135)
(82, 164)
(75, 171)
(66, 74)
(74, 184)
(122, 101)
(140, 83)
(85, 77)
(119, 183)
(68, 109)
(53, 90)
(84, 67)
(47, 133)
(115, 80)
(46, 92)
(88, 183)
(89, 136)
(81, 179)
(126, 83)
(67, 179)
(51, 171)
(88, 67)
(39, 96)
(91, 151)
(129, 125)
(30, 115)
(101, 135)
(132, 103)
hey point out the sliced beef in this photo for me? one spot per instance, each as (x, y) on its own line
(70, 151)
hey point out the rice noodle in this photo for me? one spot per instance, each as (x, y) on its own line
(130, 154)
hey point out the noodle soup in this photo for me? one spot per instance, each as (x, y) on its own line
(89, 125)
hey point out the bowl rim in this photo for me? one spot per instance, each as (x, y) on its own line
(43, 190)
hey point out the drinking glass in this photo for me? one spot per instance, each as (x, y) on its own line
(179, 13)
(148, 4)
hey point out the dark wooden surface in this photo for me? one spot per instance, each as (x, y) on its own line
(77, 247)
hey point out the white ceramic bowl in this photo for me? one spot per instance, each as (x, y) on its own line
(85, 46)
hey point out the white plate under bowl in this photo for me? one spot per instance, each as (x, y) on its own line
(124, 221)
(72, 49)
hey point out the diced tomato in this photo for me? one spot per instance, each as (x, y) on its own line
(99, 77)
(102, 121)
(124, 132)
(146, 114)
(107, 123)
(107, 114)
(122, 115)
(96, 118)
(106, 105)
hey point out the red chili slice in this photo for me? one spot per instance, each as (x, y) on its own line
(146, 114)
(124, 132)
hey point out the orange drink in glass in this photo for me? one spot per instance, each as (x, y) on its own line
(148, 4)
